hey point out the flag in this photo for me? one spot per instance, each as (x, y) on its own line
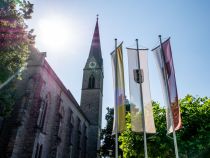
(119, 87)
(170, 97)
(135, 96)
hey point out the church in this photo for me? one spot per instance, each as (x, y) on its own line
(46, 120)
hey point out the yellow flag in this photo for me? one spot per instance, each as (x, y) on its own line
(119, 87)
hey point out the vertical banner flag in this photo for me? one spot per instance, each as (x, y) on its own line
(171, 98)
(134, 81)
(119, 87)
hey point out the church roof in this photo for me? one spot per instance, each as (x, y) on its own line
(95, 49)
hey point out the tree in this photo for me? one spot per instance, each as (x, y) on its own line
(14, 37)
(106, 134)
(193, 139)
(107, 137)
(132, 143)
(15, 41)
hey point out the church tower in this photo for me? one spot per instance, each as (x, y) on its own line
(92, 92)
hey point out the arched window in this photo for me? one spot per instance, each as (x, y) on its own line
(38, 153)
(43, 112)
(91, 83)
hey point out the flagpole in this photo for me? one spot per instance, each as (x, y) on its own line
(142, 103)
(116, 108)
(170, 110)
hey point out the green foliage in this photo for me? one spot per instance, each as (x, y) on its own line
(14, 38)
(15, 41)
(107, 137)
(133, 144)
(193, 139)
(106, 134)
(129, 141)
(6, 100)
(12, 60)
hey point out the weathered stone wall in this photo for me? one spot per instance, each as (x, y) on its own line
(91, 104)
(41, 90)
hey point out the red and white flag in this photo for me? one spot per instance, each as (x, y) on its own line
(170, 97)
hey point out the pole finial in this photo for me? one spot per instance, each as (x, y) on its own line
(97, 17)
(160, 39)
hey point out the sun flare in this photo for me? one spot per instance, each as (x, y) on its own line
(54, 32)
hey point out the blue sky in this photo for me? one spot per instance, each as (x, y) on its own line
(186, 22)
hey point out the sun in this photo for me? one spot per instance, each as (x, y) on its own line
(54, 32)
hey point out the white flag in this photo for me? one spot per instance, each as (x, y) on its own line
(135, 102)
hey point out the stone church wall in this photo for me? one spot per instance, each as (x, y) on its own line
(46, 120)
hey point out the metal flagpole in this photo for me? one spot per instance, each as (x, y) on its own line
(116, 108)
(142, 103)
(170, 111)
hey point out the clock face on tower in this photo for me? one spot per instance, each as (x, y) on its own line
(92, 64)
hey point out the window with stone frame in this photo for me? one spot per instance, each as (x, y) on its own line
(42, 113)
(85, 141)
(61, 120)
(79, 136)
(91, 83)
(71, 120)
(71, 138)
(38, 152)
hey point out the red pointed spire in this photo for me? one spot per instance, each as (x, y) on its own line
(95, 49)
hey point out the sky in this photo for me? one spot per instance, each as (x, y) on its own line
(64, 30)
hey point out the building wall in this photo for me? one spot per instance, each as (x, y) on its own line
(46, 119)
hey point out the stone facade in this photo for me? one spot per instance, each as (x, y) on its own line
(46, 120)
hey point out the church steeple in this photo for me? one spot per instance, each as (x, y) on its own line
(95, 49)
(92, 93)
